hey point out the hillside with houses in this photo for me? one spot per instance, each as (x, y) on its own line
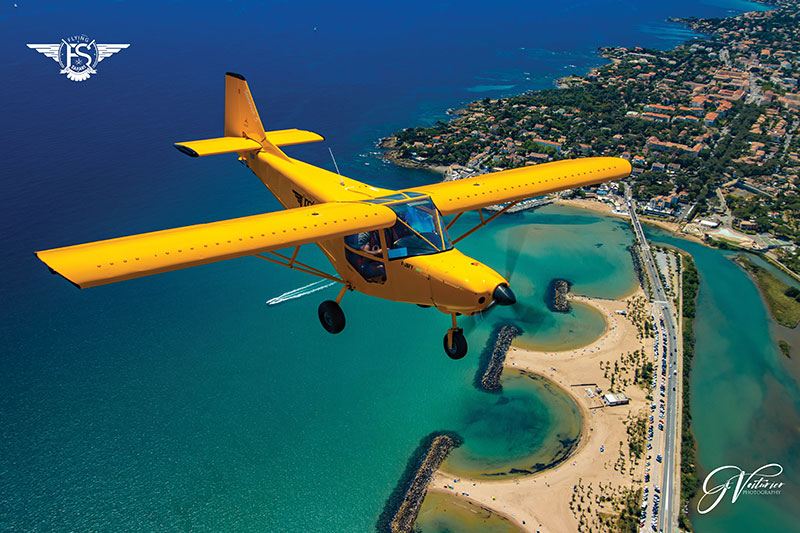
(710, 128)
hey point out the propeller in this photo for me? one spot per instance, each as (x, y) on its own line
(503, 295)
(514, 244)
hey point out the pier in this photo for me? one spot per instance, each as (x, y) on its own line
(521, 206)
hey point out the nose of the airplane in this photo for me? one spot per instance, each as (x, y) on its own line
(503, 295)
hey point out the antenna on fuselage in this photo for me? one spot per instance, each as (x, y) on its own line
(341, 181)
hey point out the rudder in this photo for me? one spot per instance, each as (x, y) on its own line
(241, 115)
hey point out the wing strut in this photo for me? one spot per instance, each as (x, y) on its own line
(483, 222)
(294, 264)
(449, 225)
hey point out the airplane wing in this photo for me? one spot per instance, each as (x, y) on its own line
(517, 184)
(101, 262)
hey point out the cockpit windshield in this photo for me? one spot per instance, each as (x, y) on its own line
(418, 230)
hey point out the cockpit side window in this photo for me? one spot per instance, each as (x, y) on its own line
(364, 252)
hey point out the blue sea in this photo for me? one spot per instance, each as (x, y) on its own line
(184, 402)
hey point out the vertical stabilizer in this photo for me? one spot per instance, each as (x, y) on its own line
(241, 115)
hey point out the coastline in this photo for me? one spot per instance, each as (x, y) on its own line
(606, 209)
(541, 501)
(537, 505)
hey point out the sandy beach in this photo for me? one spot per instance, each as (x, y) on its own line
(600, 469)
(608, 209)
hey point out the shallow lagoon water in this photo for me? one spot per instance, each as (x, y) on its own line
(441, 512)
(745, 393)
(533, 248)
(538, 423)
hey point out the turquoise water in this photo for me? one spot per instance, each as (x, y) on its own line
(183, 401)
(542, 244)
(745, 396)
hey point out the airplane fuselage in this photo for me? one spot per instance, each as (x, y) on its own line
(448, 280)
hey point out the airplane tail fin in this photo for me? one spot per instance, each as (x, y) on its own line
(243, 130)
(241, 115)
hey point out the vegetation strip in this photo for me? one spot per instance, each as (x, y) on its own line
(782, 300)
(689, 480)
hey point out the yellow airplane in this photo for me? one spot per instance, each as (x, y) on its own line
(390, 244)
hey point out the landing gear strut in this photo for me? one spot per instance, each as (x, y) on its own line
(455, 344)
(331, 315)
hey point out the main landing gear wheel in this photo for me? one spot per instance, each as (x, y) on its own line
(458, 349)
(331, 316)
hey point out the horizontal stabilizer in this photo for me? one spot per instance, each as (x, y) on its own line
(101, 262)
(290, 137)
(220, 145)
(227, 145)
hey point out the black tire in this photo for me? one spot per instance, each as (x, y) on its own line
(331, 316)
(459, 348)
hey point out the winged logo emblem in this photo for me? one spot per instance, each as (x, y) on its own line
(78, 55)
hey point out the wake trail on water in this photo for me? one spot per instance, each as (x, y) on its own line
(300, 292)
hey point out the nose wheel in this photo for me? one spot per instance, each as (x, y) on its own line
(455, 344)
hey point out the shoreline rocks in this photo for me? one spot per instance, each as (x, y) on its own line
(491, 378)
(403, 521)
(556, 296)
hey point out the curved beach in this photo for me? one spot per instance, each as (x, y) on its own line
(542, 427)
(541, 501)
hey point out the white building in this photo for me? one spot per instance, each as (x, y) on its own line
(616, 398)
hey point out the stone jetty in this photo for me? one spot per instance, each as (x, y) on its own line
(403, 521)
(556, 295)
(491, 378)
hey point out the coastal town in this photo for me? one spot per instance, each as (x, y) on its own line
(709, 127)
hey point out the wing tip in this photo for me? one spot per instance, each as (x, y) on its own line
(627, 166)
(54, 272)
(186, 150)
